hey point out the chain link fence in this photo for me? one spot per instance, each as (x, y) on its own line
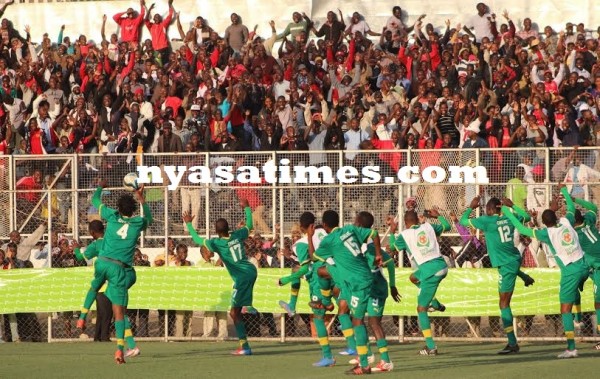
(48, 199)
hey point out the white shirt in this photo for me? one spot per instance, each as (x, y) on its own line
(361, 27)
(281, 89)
(565, 242)
(422, 243)
(481, 26)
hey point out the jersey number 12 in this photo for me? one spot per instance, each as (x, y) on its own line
(504, 232)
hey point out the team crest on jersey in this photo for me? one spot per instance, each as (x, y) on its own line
(422, 240)
(567, 238)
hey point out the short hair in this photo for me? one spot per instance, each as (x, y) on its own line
(365, 219)
(181, 246)
(549, 217)
(306, 219)
(331, 218)
(411, 217)
(43, 103)
(494, 204)
(126, 205)
(578, 217)
(222, 226)
(96, 226)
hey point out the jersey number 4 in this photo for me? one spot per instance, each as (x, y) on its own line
(122, 232)
(504, 232)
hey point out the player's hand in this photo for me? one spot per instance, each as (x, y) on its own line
(391, 222)
(554, 205)
(102, 183)
(395, 294)
(475, 202)
(311, 230)
(378, 260)
(507, 202)
(187, 217)
(75, 245)
(453, 217)
(561, 186)
(434, 213)
(279, 282)
(139, 194)
(244, 203)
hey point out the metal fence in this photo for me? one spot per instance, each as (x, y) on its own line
(69, 180)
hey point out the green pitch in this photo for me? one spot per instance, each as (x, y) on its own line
(289, 360)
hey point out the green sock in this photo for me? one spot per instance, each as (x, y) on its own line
(577, 311)
(295, 288)
(325, 286)
(240, 329)
(120, 334)
(347, 330)
(90, 297)
(569, 328)
(507, 324)
(435, 303)
(129, 334)
(323, 337)
(360, 331)
(426, 329)
(369, 352)
(383, 350)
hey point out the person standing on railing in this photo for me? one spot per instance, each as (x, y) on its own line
(230, 247)
(130, 25)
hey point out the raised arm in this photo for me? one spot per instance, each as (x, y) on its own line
(523, 230)
(97, 197)
(187, 218)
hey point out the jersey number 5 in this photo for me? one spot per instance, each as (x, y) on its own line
(504, 232)
(122, 232)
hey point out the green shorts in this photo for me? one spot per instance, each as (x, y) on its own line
(376, 306)
(130, 276)
(379, 294)
(430, 274)
(508, 276)
(116, 276)
(592, 261)
(360, 293)
(243, 288)
(98, 280)
(572, 278)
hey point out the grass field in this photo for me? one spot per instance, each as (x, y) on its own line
(289, 360)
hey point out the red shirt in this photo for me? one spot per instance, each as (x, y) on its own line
(27, 184)
(252, 195)
(159, 32)
(130, 27)
(35, 142)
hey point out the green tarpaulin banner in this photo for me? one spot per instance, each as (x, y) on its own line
(465, 292)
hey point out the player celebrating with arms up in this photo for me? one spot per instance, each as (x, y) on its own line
(499, 236)
(420, 242)
(230, 247)
(589, 238)
(563, 242)
(116, 257)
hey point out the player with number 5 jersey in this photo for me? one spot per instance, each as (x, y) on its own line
(589, 238)
(230, 247)
(504, 255)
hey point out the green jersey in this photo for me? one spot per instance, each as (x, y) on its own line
(122, 233)
(91, 251)
(499, 236)
(232, 252)
(588, 235)
(342, 248)
(380, 284)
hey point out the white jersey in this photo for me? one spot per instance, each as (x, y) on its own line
(317, 238)
(565, 243)
(422, 243)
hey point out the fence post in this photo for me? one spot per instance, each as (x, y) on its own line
(75, 197)
(166, 231)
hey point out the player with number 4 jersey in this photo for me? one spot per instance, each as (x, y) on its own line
(504, 255)
(564, 245)
(115, 260)
(230, 247)
(589, 238)
(420, 242)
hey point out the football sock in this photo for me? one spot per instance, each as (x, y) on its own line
(507, 324)
(347, 330)
(426, 329)
(569, 328)
(120, 334)
(383, 350)
(360, 332)
(129, 334)
(295, 288)
(90, 297)
(323, 337)
(240, 329)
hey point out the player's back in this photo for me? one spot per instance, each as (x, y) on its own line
(345, 245)
(232, 252)
(564, 243)
(589, 239)
(499, 239)
(422, 243)
(121, 235)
